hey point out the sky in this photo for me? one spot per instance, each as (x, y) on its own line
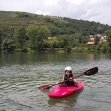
(91, 10)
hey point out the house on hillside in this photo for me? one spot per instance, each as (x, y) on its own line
(103, 38)
(92, 39)
(91, 36)
(90, 43)
(49, 38)
(98, 35)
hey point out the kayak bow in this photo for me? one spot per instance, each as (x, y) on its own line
(63, 91)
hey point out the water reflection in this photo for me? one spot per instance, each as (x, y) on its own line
(90, 57)
(64, 103)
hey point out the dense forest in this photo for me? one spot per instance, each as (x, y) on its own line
(21, 31)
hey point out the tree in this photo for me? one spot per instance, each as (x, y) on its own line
(20, 37)
(85, 39)
(31, 32)
(96, 40)
(6, 40)
(0, 39)
(42, 34)
(108, 33)
(65, 42)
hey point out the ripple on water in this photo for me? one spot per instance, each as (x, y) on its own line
(19, 85)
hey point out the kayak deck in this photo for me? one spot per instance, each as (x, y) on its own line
(63, 91)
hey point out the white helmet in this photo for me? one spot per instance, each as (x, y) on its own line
(68, 69)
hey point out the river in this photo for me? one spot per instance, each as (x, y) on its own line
(22, 73)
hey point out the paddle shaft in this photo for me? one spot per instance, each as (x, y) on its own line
(48, 86)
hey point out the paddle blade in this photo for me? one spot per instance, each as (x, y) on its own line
(49, 86)
(44, 87)
(91, 71)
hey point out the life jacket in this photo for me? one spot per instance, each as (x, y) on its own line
(67, 81)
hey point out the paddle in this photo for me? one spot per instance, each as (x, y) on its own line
(89, 72)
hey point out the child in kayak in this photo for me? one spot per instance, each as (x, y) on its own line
(68, 78)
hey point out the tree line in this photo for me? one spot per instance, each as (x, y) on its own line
(38, 38)
(35, 38)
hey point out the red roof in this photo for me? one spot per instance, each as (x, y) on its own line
(90, 43)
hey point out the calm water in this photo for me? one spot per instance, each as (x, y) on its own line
(21, 74)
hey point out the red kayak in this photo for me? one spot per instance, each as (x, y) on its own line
(63, 91)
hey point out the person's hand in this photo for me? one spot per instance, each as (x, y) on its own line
(70, 78)
(57, 83)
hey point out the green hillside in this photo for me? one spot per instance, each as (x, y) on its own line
(57, 25)
(22, 31)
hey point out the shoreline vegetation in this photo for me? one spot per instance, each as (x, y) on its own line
(62, 50)
(26, 32)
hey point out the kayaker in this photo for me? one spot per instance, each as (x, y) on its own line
(68, 78)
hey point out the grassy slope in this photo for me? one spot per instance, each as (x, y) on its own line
(24, 18)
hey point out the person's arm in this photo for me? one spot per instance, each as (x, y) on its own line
(74, 80)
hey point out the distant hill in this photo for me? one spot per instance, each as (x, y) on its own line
(57, 25)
